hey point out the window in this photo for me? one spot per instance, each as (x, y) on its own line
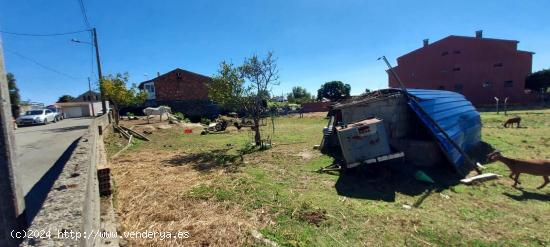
(508, 83)
(497, 65)
(441, 88)
(457, 52)
(179, 75)
(445, 53)
(456, 69)
(458, 87)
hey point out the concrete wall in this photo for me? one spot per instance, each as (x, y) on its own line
(393, 110)
(73, 204)
(98, 108)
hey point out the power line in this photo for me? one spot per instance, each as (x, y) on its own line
(87, 23)
(40, 64)
(84, 14)
(43, 35)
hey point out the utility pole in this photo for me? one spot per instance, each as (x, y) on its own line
(103, 104)
(11, 203)
(91, 99)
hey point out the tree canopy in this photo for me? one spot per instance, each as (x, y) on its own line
(15, 98)
(299, 95)
(65, 98)
(538, 80)
(227, 87)
(334, 91)
(115, 89)
(246, 87)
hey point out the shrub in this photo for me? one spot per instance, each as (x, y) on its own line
(181, 117)
(205, 121)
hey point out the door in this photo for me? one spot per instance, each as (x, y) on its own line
(73, 111)
(50, 116)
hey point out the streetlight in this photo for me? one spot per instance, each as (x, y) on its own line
(94, 34)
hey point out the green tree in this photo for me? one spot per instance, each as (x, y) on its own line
(299, 95)
(334, 91)
(246, 87)
(115, 89)
(538, 81)
(65, 98)
(15, 98)
(227, 87)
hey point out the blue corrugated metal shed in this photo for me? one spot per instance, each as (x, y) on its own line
(454, 114)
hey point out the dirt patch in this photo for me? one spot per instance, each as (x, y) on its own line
(141, 125)
(313, 217)
(306, 155)
(164, 126)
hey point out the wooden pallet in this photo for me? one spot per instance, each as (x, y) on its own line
(378, 159)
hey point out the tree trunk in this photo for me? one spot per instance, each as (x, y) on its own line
(257, 136)
(116, 113)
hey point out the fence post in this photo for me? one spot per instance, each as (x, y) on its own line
(497, 103)
(506, 106)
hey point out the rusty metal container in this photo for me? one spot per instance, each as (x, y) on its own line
(363, 140)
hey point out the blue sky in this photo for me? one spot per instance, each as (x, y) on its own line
(315, 40)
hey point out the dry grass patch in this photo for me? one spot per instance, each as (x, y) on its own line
(153, 195)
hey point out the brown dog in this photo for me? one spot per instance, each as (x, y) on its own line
(512, 121)
(517, 167)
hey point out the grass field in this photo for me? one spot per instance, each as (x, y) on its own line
(200, 184)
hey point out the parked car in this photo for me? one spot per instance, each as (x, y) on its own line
(37, 116)
(58, 113)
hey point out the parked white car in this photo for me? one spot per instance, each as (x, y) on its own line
(59, 115)
(37, 116)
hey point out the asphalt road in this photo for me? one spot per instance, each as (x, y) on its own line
(39, 147)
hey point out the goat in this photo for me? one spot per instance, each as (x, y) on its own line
(512, 121)
(518, 166)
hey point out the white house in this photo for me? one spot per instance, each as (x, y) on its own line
(86, 105)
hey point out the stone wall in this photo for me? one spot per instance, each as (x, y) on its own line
(73, 204)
